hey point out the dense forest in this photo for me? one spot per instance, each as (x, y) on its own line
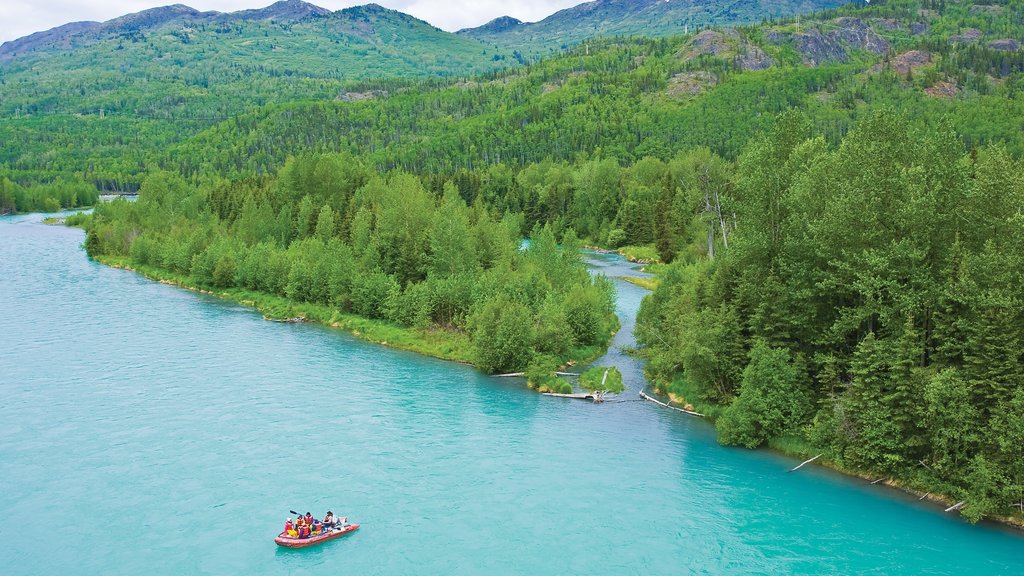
(863, 300)
(328, 232)
(835, 202)
(628, 98)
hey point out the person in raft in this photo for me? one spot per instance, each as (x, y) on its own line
(329, 521)
(289, 529)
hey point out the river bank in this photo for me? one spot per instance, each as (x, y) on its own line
(126, 397)
(797, 447)
(451, 345)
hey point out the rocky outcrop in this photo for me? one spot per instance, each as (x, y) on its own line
(751, 57)
(857, 33)
(1005, 44)
(944, 89)
(688, 84)
(966, 35)
(727, 44)
(842, 34)
(906, 62)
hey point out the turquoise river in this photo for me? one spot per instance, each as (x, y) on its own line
(148, 430)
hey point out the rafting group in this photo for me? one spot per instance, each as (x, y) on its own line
(306, 530)
(306, 526)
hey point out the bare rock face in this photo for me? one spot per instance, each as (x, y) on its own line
(816, 47)
(944, 89)
(1005, 44)
(360, 96)
(918, 28)
(906, 62)
(727, 44)
(858, 34)
(751, 57)
(965, 36)
(688, 84)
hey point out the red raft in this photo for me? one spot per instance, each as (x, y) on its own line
(289, 542)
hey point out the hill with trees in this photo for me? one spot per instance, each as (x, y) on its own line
(645, 18)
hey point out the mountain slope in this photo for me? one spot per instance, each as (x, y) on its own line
(648, 18)
(177, 61)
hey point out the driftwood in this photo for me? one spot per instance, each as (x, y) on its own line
(806, 462)
(925, 496)
(956, 506)
(597, 397)
(659, 403)
(520, 374)
(879, 480)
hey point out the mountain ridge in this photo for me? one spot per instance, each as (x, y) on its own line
(150, 18)
(650, 18)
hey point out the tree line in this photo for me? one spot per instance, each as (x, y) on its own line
(328, 231)
(865, 300)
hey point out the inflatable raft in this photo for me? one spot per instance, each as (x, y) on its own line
(289, 542)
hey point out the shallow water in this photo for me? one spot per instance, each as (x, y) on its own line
(149, 429)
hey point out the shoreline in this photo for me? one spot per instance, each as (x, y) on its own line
(779, 446)
(455, 347)
(436, 343)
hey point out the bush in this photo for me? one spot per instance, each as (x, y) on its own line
(502, 334)
(595, 380)
(616, 238)
(370, 293)
(773, 399)
(583, 315)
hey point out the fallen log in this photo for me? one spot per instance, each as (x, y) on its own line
(806, 462)
(659, 403)
(956, 506)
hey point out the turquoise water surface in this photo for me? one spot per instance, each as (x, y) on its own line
(146, 429)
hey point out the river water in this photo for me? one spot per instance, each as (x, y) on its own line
(146, 429)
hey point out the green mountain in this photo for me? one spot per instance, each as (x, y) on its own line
(176, 61)
(630, 98)
(648, 18)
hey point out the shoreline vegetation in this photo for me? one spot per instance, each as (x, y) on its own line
(885, 335)
(437, 343)
(796, 447)
(379, 253)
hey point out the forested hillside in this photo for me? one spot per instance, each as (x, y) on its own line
(628, 98)
(96, 101)
(646, 18)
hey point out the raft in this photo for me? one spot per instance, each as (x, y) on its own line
(289, 542)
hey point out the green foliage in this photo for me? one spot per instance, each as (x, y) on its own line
(502, 335)
(888, 262)
(595, 380)
(773, 399)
